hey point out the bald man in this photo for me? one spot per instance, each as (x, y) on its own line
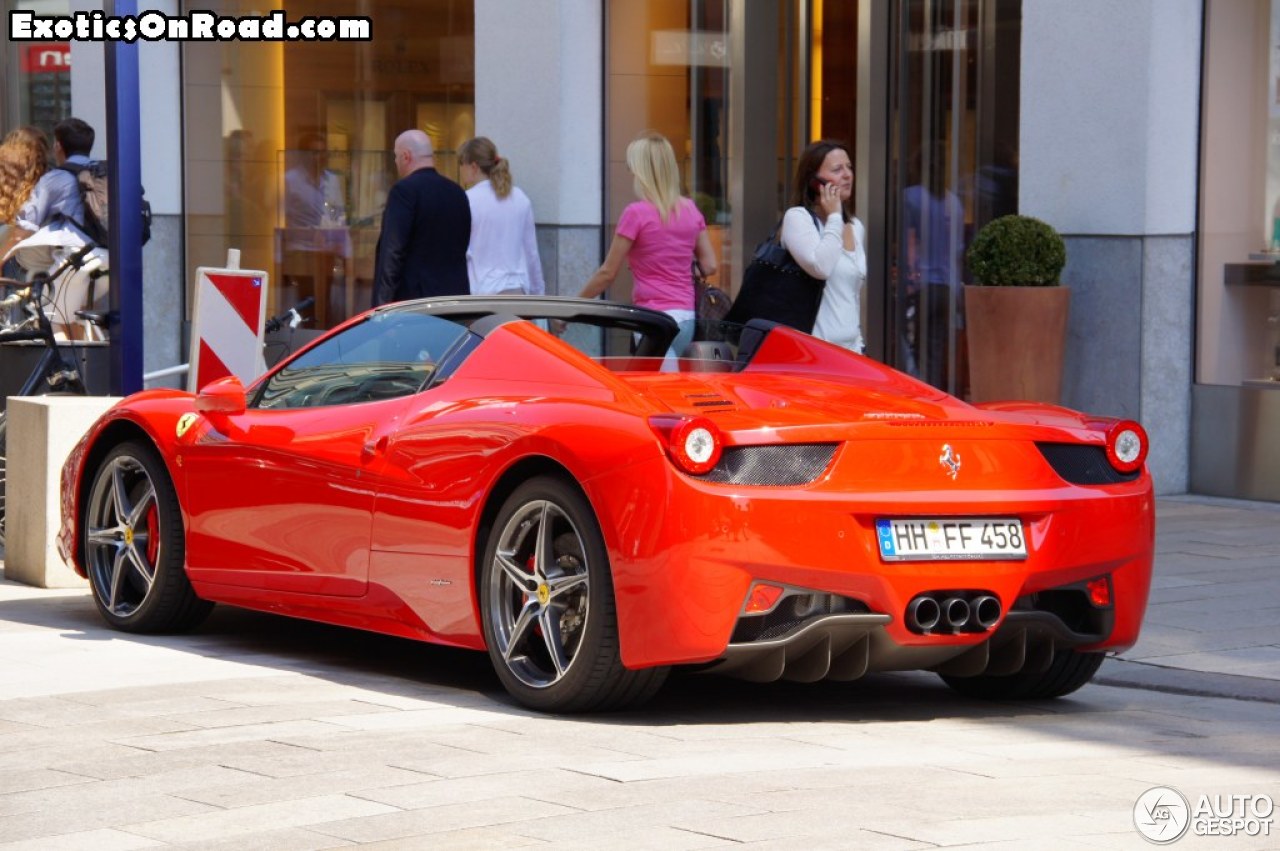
(422, 249)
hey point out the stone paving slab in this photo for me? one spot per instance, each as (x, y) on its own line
(257, 732)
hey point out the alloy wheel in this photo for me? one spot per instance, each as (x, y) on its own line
(122, 544)
(538, 593)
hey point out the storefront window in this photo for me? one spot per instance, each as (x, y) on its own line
(668, 70)
(954, 141)
(288, 151)
(36, 87)
(1238, 309)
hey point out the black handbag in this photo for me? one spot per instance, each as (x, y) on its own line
(775, 287)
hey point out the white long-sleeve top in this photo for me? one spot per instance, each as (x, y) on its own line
(821, 253)
(503, 252)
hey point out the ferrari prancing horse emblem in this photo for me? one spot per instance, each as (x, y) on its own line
(950, 461)
(185, 422)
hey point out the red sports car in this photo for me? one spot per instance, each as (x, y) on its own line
(481, 472)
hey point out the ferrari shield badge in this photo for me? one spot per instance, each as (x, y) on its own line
(950, 461)
(185, 422)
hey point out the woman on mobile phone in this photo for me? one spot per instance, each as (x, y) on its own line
(827, 241)
(660, 235)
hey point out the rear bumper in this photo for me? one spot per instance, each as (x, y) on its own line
(686, 554)
(847, 646)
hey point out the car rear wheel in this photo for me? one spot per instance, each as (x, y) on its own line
(547, 605)
(134, 547)
(1069, 671)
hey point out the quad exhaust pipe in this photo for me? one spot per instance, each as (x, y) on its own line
(923, 614)
(986, 611)
(953, 612)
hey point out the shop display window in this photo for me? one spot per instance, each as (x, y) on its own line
(35, 87)
(288, 145)
(1238, 293)
(667, 69)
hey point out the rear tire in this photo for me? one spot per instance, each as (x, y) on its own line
(134, 545)
(547, 606)
(1069, 670)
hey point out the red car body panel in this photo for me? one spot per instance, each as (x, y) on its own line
(372, 515)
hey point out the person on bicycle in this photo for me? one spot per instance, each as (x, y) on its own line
(72, 144)
(31, 193)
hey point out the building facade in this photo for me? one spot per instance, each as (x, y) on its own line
(1141, 130)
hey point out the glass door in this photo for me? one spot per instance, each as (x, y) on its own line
(953, 124)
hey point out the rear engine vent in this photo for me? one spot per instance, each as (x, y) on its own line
(941, 423)
(780, 464)
(709, 401)
(1083, 464)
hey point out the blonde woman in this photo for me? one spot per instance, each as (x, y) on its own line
(660, 236)
(502, 257)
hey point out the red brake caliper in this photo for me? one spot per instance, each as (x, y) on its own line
(153, 534)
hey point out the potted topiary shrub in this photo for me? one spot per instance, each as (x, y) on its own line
(1016, 311)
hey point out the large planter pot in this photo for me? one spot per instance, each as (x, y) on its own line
(1017, 336)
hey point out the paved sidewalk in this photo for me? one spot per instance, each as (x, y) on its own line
(264, 732)
(1213, 620)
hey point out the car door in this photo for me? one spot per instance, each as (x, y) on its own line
(283, 500)
(281, 496)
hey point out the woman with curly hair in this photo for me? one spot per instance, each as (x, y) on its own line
(24, 157)
(30, 192)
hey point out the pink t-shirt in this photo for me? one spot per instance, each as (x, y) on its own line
(661, 255)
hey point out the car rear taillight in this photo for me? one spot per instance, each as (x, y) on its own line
(1126, 446)
(693, 443)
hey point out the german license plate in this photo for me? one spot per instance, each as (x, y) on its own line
(933, 538)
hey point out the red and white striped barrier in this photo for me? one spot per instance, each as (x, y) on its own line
(227, 325)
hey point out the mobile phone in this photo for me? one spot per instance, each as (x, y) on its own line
(816, 184)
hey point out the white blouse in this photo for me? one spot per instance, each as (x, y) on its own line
(503, 252)
(821, 253)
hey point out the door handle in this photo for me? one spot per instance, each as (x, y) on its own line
(374, 447)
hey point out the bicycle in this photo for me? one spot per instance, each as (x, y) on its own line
(54, 373)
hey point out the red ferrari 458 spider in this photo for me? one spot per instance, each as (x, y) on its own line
(481, 472)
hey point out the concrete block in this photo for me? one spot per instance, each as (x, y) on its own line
(41, 433)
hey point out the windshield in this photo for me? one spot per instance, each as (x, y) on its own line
(390, 355)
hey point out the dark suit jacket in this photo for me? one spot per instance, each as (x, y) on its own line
(422, 249)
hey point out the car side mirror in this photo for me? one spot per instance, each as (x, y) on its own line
(223, 396)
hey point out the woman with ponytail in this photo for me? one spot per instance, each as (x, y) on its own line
(502, 257)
